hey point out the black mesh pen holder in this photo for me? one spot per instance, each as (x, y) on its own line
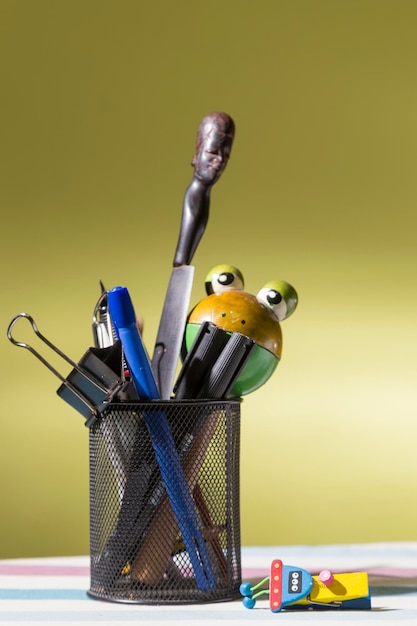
(164, 502)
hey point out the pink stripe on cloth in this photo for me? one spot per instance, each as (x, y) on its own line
(394, 572)
(12, 569)
(400, 572)
(16, 569)
(254, 572)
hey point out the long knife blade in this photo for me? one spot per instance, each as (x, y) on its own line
(169, 338)
(214, 143)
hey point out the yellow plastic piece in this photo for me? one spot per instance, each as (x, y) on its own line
(345, 587)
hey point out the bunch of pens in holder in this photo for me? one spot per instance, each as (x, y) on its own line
(164, 474)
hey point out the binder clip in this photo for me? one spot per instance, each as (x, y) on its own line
(92, 383)
(292, 587)
(213, 363)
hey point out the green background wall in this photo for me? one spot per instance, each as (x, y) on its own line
(100, 102)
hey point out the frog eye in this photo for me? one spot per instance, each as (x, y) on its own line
(279, 296)
(272, 299)
(223, 278)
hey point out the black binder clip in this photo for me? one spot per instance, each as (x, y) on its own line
(94, 382)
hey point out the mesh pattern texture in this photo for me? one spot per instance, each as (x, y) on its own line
(138, 552)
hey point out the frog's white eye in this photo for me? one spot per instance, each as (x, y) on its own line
(224, 278)
(279, 296)
(273, 300)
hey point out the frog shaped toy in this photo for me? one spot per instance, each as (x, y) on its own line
(228, 306)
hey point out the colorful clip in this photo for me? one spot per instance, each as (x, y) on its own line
(294, 587)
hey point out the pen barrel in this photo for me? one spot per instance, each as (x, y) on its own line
(143, 548)
(138, 363)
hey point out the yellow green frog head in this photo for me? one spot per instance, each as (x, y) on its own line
(229, 306)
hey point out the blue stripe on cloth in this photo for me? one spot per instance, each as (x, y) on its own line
(43, 594)
(138, 614)
(72, 617)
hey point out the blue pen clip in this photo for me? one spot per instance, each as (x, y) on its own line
(124, 319)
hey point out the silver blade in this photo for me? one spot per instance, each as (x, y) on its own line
(171, 329)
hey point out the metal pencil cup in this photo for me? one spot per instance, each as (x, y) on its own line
(138, 551)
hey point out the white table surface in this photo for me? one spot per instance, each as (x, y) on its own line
(53, 590)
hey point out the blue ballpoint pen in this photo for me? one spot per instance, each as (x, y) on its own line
(124, 319)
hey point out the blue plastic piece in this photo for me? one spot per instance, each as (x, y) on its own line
(296, 584)
(246, 590)
(248, 603)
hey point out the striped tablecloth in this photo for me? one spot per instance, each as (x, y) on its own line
(53, 590)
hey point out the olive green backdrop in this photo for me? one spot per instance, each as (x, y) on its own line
(100, 103)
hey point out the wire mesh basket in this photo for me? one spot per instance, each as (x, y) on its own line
(141, 550)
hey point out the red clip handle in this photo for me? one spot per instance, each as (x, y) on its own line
(275, 585)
